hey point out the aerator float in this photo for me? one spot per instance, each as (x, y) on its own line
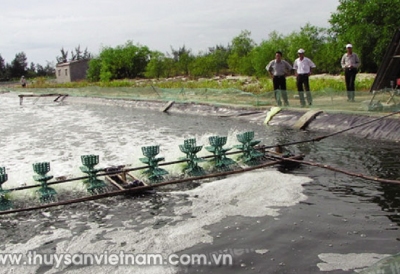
(94, 185)
(5, 203)
(46, 193)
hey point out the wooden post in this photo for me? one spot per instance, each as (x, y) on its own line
(123, 175)
(167, 106)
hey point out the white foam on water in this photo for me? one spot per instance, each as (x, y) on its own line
(261, 251)
(252, 194)
(61, 133)
(29, 246)
(60, 136)
(72, 134)
(347, 262)
(35, 242)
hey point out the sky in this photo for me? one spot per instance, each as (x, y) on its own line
(41, 28)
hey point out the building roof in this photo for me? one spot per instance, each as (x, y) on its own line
(71, 62)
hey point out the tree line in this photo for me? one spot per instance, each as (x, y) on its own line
(367, 24)
(19, 67)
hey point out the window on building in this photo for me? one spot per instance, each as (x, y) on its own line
(66, 72)
(59, 72)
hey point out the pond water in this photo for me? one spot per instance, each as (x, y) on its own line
(307, 220)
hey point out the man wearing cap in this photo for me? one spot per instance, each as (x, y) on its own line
(278, 69)
(350, 63)
(303, 68)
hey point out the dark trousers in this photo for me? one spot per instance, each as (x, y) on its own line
(350, 78)
(302, 80)
(280, 90)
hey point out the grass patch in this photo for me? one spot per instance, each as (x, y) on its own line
(328, 91)
(247, 84)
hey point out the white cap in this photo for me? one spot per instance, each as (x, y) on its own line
(349, 46)
(301, 51)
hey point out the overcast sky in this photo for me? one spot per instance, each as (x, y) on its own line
(40, 28)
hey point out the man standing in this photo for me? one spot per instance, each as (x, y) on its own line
(303, 68)
(278, 69)
(350, 63)
(23, 81)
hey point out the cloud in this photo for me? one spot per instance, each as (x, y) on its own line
(42, 28)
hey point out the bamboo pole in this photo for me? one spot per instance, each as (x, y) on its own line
(142, 188)
(114, 172)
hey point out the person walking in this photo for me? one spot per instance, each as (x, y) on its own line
(303, 68)
(279, 69)
(350, 63)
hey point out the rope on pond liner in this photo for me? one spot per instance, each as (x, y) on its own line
(317, 139)
(370, 178)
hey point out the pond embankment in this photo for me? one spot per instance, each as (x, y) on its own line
(371, 125)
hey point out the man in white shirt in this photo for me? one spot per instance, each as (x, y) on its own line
(350, 63)
(303, 68)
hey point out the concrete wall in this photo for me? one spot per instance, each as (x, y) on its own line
(62, 73)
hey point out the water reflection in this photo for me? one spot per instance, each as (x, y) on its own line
(389, 201)
(360, 156)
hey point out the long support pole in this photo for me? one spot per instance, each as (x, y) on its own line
(142, 188)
